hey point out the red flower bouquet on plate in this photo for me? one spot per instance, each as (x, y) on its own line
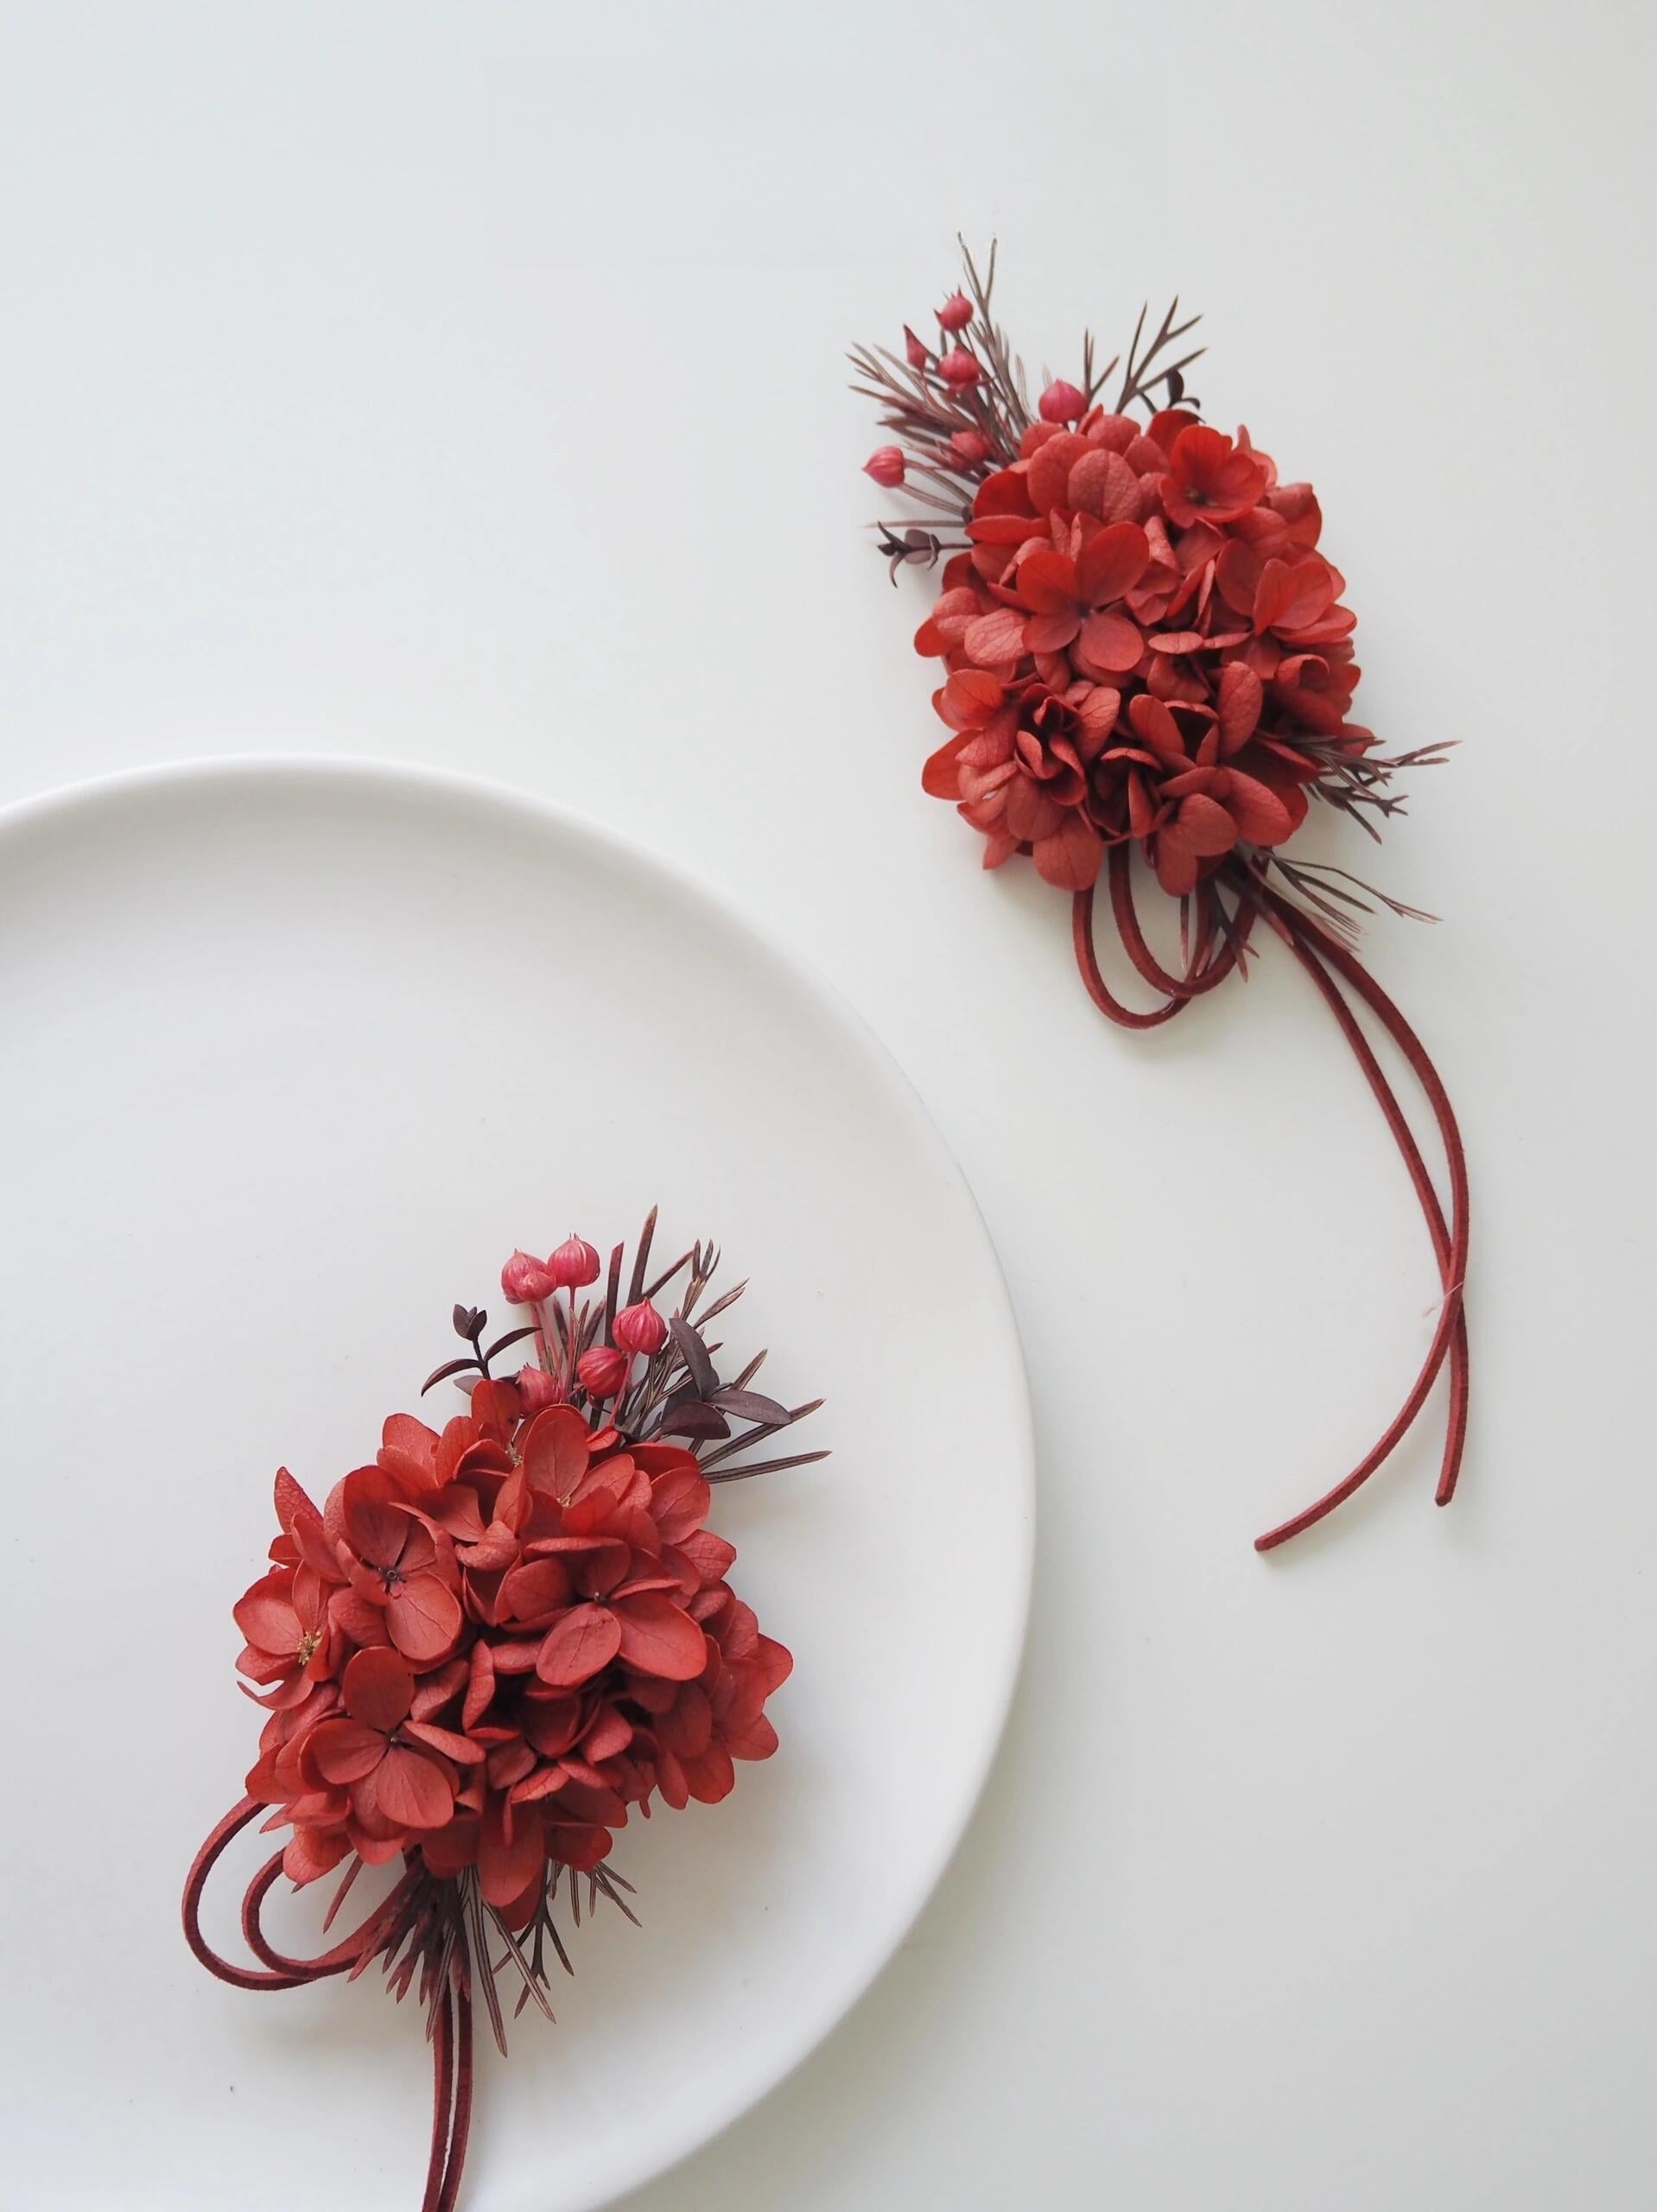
(485, 1647)
(1145, 652)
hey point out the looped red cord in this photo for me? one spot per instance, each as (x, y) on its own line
(1205, 967)
(1325, 960)
(451, 2061)
(1197, 977)
(1319, 952)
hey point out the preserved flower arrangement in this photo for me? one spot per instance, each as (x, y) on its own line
(488, 1646)
(1144, 651)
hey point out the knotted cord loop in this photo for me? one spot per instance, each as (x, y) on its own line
(451, 2020)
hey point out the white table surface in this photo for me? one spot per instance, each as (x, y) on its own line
(463, 385)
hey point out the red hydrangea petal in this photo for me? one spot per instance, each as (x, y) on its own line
(377, 1689)
(555, 1452)
(506, 1864)
(608, 1733)
(552, 1725)
(424, 1618)
(290, 1499)
(1109, 643)
(711, 1775)
(411, 1789)
(1005, 493)
(1112, 562)
(453, 1847)
(1205, 828)
(679, 1502)
(1164, 427)
(755, 1740)
(265, 1614)
(536, 1591)
(577, 1645)
(582, 1845)
(688, 1729)
(345, 1750)
(1069, 858)
(1048, 475)
(941, 777)
(409, 1451)
(1240, 699)
(1047, 583)
(371, 1509)
(1102, 484)
(774, 1663)
(995, 639)
(710, 1556)
(460, 1749)
(353, 1615)
(659, 1639)
(498, 1546)
(311, 1853)
(1259, 814)
(1175, 863)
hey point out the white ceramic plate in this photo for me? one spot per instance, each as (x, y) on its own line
(293, 1055)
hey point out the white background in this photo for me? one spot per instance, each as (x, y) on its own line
(464, 385)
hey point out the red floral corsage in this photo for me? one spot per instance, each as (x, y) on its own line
(1146, 651)
(481, 1650)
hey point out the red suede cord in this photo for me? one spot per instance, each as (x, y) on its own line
(1330, 964)
(452, 2061)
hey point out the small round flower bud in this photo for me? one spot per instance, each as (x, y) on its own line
(538, 1389)
(916, 349)
(960, 370)
(970, 446)
(1063, 402)
(525, 1282)
(885, 465)
(957, 312)
(640, 1328)
(601, 1372)
(574, 1264)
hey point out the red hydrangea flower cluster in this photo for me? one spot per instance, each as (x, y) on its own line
(491, 1641)
(1143, 643)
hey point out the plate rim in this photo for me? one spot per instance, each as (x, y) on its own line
(40, 811)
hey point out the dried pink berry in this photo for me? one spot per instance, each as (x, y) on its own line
(885, 465)
(957, 312)
(959, 369)
(574, 1263)
(1063, 402)
(537, 1389)
(601, 1372)
(526, 1281)
(641, 1328)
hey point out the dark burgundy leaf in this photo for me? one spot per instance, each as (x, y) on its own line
(695, 1354)
(763, 1467)
(693, 1418)
(752, 1405)
(641, 1259)
(512, 1336)
(450, 1367)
